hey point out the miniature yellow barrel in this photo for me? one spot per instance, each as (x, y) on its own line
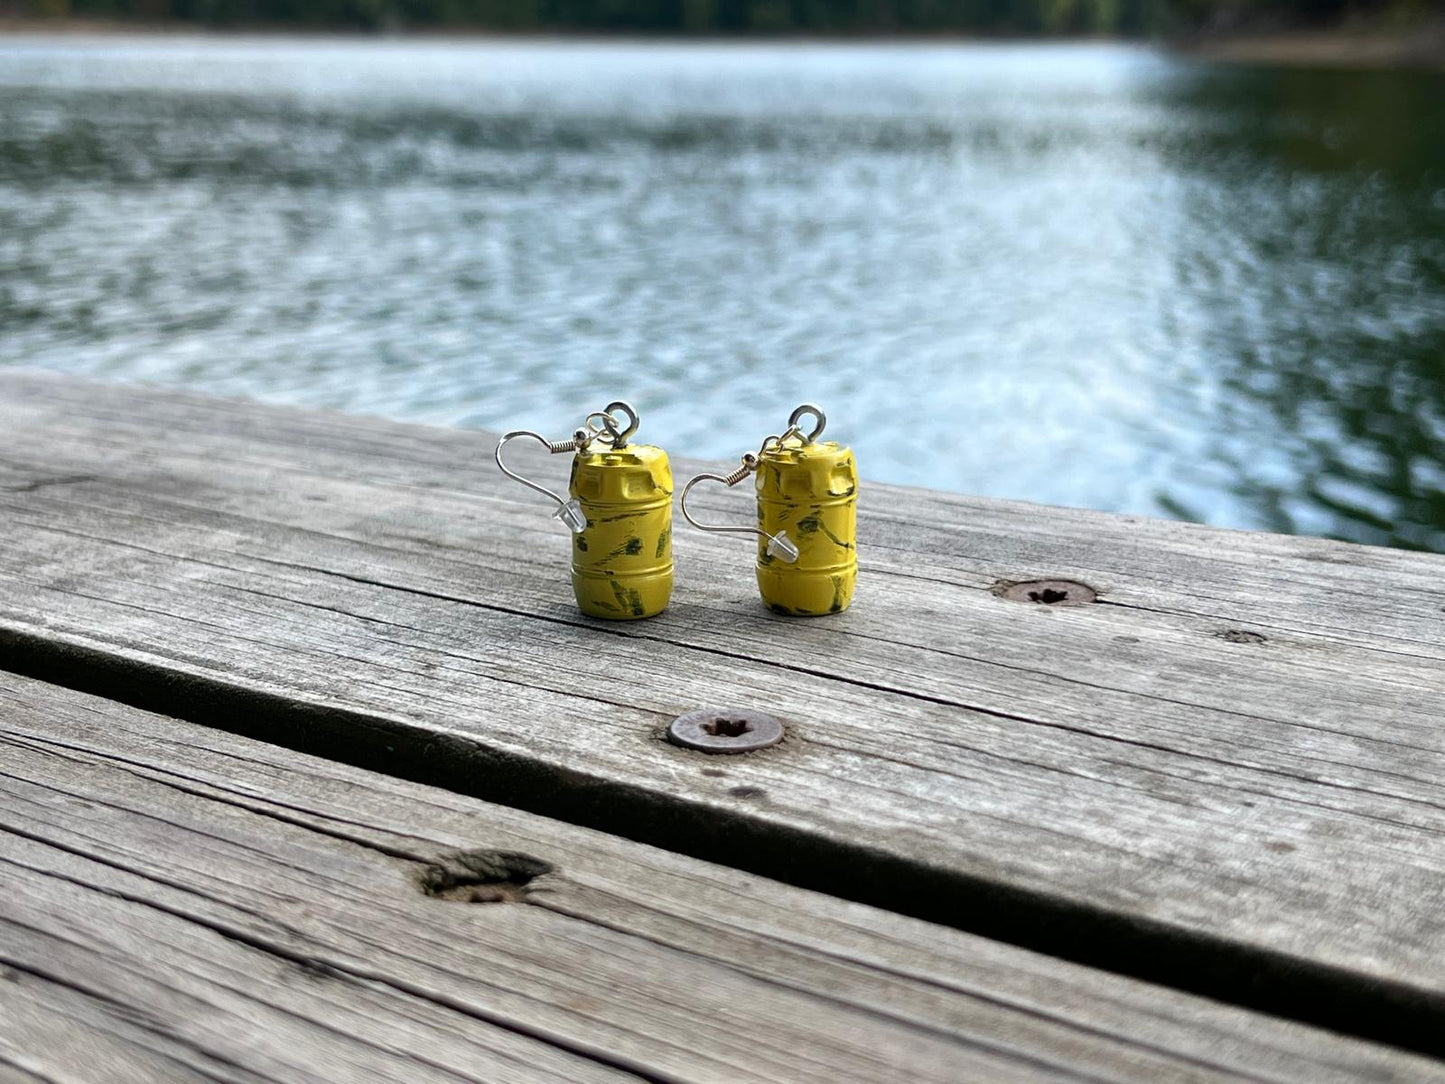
(622, 561)
(811, 492)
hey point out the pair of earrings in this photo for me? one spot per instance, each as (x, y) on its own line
(619, 509)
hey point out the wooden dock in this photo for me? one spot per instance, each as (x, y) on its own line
(312, 772)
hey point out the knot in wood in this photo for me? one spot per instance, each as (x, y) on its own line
(482, 876)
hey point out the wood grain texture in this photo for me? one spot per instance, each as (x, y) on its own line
(1122, 782)
(180, 903)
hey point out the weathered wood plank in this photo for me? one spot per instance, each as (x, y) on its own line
(1116, 781)
(177, 902)
(113, 990)
(51, 1031)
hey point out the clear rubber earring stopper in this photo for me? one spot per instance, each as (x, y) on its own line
(782, 547)
(572, 515)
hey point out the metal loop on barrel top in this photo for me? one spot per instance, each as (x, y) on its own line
(778, 441)
(806, 409)
(602, 425)
(618, 439)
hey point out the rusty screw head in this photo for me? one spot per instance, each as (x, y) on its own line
(725, 730)
(1048, 592)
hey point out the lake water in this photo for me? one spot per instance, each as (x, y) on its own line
(1089, 275)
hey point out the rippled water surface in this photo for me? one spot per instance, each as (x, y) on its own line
(1083, 275)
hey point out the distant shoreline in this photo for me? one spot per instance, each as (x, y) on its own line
(1419, 48)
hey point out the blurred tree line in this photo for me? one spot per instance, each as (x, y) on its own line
(1129, 17)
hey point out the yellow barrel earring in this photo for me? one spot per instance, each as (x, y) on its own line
(619, 511)
(807, 518)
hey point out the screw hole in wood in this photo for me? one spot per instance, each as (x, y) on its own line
(1046, 592)
(726, 728)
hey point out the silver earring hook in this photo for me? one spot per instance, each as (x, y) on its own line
(779, 545)
(568, 511)
(600, 426)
